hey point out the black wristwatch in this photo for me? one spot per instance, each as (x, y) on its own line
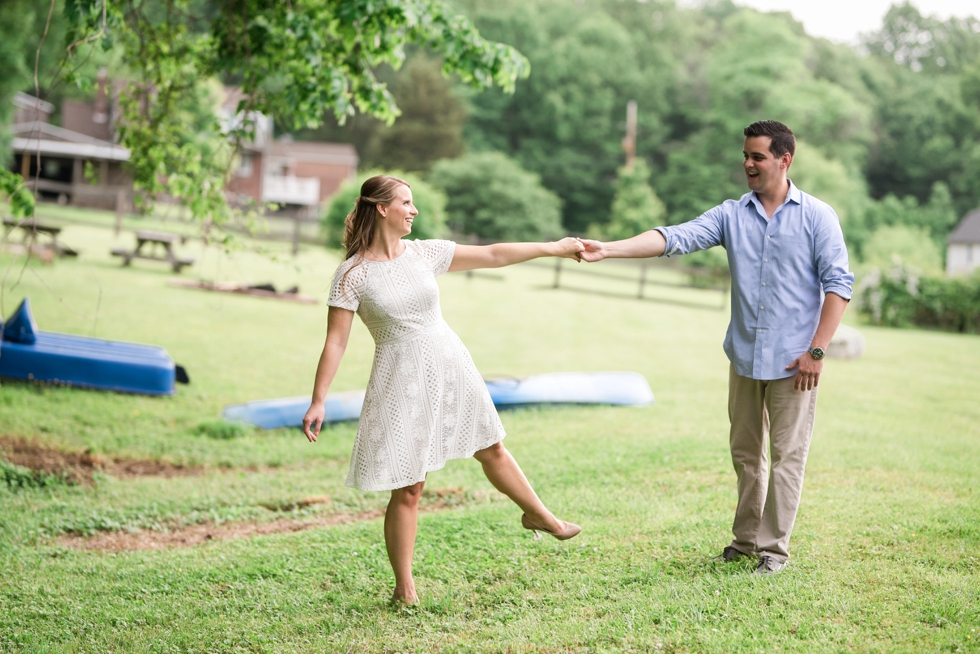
(817, 353)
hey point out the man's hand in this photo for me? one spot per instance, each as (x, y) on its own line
(594, 251)
(313, 420)
(569, 247)
(808, 373)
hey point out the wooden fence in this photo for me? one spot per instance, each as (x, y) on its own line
(638, 272)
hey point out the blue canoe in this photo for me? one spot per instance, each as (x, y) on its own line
(616, 388)
(31, 354)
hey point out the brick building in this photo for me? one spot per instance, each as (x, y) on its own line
(81, 163)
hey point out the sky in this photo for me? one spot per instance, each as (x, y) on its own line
(844, 20)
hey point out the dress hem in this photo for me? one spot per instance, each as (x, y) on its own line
(399, 484)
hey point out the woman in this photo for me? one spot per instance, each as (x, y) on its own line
(425, 402)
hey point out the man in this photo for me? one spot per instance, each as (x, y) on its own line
(790, 287)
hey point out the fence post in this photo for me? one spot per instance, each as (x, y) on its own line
(557, 272)
(296, 224)
(643, 280)
(120, 207)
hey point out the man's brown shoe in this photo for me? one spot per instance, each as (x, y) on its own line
(729, 554)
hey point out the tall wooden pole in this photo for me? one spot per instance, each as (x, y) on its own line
(629, 141)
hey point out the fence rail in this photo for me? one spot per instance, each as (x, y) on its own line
(642, 279)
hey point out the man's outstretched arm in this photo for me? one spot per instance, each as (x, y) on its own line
(648, 244)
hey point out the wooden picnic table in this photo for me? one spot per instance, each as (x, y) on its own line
(154, 242)
(31, 229)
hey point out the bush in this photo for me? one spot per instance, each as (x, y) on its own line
(707, 267)
(16, 477)
(431, 203)
(912, 245)
(491, 197)
(935, 218)
(901, 297)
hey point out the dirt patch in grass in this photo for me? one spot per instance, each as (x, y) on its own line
(78, 467)
(435, 500)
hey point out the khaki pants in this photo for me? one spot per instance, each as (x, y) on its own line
(770, 478)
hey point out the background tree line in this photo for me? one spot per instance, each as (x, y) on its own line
(889, 132)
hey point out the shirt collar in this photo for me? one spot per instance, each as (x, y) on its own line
(793, 195)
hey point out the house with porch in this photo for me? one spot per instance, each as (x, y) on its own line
(80, 162)
(963, 245)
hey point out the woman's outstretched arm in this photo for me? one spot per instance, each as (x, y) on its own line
(339, 322)
(498, 255)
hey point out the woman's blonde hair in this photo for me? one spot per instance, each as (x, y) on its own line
(361, 223)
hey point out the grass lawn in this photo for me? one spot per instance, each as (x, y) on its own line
(886, 551)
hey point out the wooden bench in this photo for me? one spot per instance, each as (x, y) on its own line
(32, 229)
(154, 242)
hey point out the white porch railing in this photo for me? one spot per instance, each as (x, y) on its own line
(291, 190)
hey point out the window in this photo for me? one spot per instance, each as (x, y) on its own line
(245, 167)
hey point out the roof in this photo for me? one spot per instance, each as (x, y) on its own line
(49, 132)
(315, 152)
(968, 231)
(58, 141)
(25, 101)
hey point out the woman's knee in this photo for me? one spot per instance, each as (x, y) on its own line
(409, 494)
(495, 451)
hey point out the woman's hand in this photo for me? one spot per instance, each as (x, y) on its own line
(592, 251)
(568, 247)
(313, 420)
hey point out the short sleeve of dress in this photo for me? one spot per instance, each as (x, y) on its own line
(348, 285)
(437, 253)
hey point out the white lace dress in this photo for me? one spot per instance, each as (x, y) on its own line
(425, 402)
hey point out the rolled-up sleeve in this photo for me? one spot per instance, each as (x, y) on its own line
(705, 231)
(830, 253)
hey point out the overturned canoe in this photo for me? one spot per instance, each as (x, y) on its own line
(617, 388)
(289, 411)
(31, 354)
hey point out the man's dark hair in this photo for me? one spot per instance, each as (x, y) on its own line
(783, 140)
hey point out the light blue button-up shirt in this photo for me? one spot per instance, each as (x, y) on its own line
(781, 268)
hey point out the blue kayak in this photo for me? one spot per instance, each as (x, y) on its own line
(289, 411)
(616, 388)
(31, 354)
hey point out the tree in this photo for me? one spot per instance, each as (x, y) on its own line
(636, 208)
(924, 74)
(294, 61)
(429, 128)
(491, 197)
(564, 122)
(925, 43)
(903, 244)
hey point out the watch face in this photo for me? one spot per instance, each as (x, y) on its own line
(817, 353)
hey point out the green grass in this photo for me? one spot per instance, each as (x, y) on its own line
(886, 551)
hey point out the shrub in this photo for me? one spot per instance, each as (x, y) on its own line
(491, 197)
(912, 245)
(431, 203)
(707, 267)
(16, 477)
(901, 297)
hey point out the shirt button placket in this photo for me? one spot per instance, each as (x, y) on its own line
(765, 270)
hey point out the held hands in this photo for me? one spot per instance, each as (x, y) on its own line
(808, 373)
(568, 247)
(592, 251)
(312, 421)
